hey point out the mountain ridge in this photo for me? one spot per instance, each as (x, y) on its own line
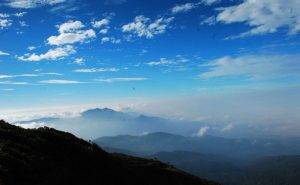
(46, 156)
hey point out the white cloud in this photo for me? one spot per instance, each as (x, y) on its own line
(70, 38)
(26, 4)
(184, 7)
(100, 23)
(23, 23)
(70, 26)
(167, 62)
(60, 82)
(110, 80)
(21, 75)
(227, 128)
(103, 31)
(31, 48)
(162, 61)
(5, 23)
(105, 39)
(14, 83)
(5, 76)
(202, 131)
(111, 40)
(54, 74)
(2, 53)
(8, 89)
(29, 75)
(79, 61)
(144, 27)
(20, 14)
(32, 125)
(210, 2)
(253, 66)
(71, 32)
(4, 15)
(209, 21)
(52, 54)
(264, 16)
(94, 70)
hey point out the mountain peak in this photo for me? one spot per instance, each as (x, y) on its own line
(104, 113)
(98, 110)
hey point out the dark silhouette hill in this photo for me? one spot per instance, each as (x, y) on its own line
(46, 156)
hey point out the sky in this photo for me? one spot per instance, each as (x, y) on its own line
(58, 53)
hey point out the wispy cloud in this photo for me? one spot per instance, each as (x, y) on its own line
(210, 2)
(14, 83)
(253, 66)
(162, 61)
(184, 7)
(178, 63)
(95, 70)
(202, 131)
(110, 80)
(29, 75)
(20, 14)
(60, 82)
(264, 16)
(227, 128)
(112, 40)
(27, 4)
(79, 61)
(31, 48)
(2, 53)
(8, 89)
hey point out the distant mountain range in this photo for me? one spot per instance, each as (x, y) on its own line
(228, 161)
(94, 123)
(107, 122)
(235, 148)
(46, 156)
(231, 161)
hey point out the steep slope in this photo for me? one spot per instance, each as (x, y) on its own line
(46, 156)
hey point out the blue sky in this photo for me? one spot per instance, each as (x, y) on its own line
(59, 52)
